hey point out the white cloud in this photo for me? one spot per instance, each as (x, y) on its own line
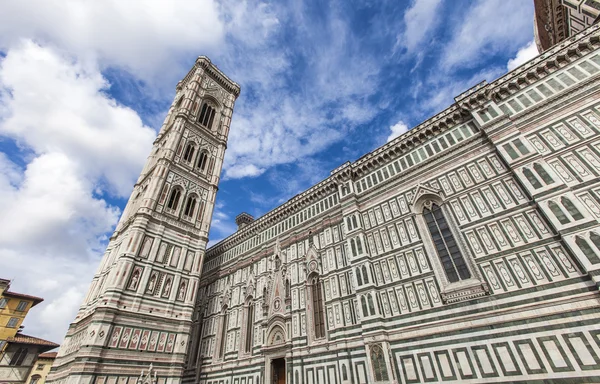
(146, 37)
(487, 28)
(77, 144)
(524, 54)
(51, 104)
(419, 21)
(290, 119)
(397, 129)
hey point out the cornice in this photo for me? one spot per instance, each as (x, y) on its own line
(215, 73)
(459, 112)
(533, 71)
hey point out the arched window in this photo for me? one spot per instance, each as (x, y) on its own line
(560, 215)
(190, 205)
(543, 174)
(378, 363)
(223, 333)
(202, 160)
(296, 381)
(571, 208)
(35, 379)
(354, 223)
(318, 312)
(363, 301)
(595, 239)
(365, 274)
(359, 246)
(174, 198)
(358, 274)
(207, 115)
(189, 152)
(18, 357)
(249, 327)
(532, 179)
(371, 305)
(344, 372)
(353, 246)
(587, 250)
(452, 260)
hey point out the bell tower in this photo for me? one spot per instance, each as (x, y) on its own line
(140, 304)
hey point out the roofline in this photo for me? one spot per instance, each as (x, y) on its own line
(36, 300)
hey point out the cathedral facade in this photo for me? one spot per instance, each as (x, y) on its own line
(466, 250)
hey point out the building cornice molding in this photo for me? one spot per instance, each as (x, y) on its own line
(215, 73)
(458, 113)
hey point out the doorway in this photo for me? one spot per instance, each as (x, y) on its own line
(278, 371)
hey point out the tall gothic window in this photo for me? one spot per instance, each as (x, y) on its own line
(249, 327)
(571, 208)
(558, 212)
(189, 152)
(202, 160)
(378, 362)
(452, 260)
(365, 310)
(365, 274)
(358, 276)
(223, 334)
(190, 206)
(535, 183)
(207, 115)
(318, 312)
(174, 198)
(587, 250)
(543, 174)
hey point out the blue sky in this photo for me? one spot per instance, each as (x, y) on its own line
(85, 85)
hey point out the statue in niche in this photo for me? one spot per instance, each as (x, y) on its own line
(167, 288)
(134, 280)
(151, 283)
(181, 293)
(277, 263)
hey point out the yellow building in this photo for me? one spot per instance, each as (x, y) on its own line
(23, 358)
(13, 309)
(42, 368)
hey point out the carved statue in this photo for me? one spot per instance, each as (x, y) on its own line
(151, 284)
(134, 280)
(181, 293)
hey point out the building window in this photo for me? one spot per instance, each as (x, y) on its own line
(18, 357)
(190, 206)
(535, 183)
(587, 250)
(207, 115)
(363, 301)
(365, 274)
(344, 372)
(40, 367)
(12, 322)
(249, 327)
(3, 302)
(571, 208)
(558, 213)
(543, 174)
(174, 199)
(202, 161)
(223, 334)
(318, 312)
(358, 276)
(452, 260)
(22, 305)
(35, 379)
(189, 152)
(378, 363)
(371, 305)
